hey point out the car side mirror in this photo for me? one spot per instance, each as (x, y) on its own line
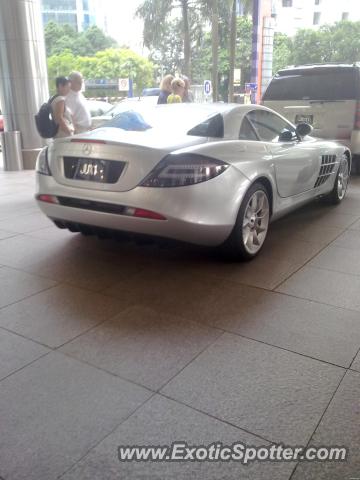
(286, 136)
(303, 129)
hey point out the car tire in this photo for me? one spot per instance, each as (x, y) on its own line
(250, 230)
(341, 181)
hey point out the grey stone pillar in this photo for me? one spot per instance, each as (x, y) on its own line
(23, 73)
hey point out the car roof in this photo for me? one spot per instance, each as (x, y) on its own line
(318, 66)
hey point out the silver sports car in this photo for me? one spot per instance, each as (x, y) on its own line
(211, 174)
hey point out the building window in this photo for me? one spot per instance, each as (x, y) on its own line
(316, 20)
(287, 3)
(345, 16)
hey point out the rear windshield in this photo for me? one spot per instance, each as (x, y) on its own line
(197, 122)
(315, 84)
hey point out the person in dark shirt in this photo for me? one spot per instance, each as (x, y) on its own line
(165, 89)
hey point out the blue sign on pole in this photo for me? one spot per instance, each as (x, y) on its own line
(207, 87)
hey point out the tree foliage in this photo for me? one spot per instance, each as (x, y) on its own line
(331, 43)
(112, 63)
(59, 38)
(156, 15)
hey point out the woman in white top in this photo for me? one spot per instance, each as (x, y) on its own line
(61, 113)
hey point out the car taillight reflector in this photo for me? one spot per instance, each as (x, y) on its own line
(143, 213)
(48, 198)
(357, 116)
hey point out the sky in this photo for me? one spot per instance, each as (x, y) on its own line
(121, 24)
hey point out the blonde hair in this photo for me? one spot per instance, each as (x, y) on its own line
(166, 83)
(176, 84)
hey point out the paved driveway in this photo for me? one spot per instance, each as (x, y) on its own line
(104, 344)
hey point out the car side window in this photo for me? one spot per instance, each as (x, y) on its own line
(269, 126)
(247, 131)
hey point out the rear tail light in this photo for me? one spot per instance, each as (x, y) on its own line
(47, 198)
(184, 169)
(357, 116)
(42, 164)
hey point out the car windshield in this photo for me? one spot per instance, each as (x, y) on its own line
(191, 121)
(314, 84)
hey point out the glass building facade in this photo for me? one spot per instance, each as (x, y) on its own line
(80, 14)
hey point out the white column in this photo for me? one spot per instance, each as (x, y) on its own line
(267, 52)
(23, 72)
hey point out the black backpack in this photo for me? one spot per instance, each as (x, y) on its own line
(45, 123)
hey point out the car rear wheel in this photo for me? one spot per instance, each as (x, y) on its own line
(252, 224)
(341, 182)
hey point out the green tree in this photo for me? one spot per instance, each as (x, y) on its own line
(61, 64)
(110, 64)
(156, 15)
(283, 51)
(331, 43)
(63, 37)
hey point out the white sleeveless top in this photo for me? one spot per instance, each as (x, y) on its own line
(66, 115)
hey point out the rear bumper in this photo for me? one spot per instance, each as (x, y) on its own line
(202, 214)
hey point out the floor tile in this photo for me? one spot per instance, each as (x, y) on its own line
(262, 272)
(25, 223)
(355, 226)
(178, 291)
(161, 422)
(309, 232)
(349, 239)
(293, 250)
(59, 314)
(338, 259)
(339, 427)
(356, 363)
(327, 333)
(16, 285)
(142, 345)
(268, 391)
(85, 271)
(23, 251)
(304, 231)
(54, 410)
(16, 352)
(326, 216)
(325, 286)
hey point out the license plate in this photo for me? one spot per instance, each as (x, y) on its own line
(304, 119)
(92, 169)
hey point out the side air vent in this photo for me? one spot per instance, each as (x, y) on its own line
(327, 168)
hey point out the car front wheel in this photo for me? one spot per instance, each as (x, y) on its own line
(252, 224)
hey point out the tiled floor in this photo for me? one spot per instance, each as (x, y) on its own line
(105, 344)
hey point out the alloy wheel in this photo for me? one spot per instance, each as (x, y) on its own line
(256, 222)
(343, 178)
